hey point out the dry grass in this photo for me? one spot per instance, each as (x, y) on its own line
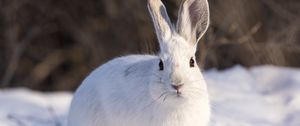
(54, 44)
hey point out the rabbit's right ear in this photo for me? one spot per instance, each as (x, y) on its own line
(161, 20)
(193, 20)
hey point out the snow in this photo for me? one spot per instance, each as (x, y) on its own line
(259, 96)
(22, 107)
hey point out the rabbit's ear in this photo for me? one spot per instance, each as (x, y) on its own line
(193, 20)
(160, 19)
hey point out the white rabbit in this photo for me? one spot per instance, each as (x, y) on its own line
(151, 90)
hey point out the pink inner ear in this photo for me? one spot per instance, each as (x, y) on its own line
(193, 20)
(193, 13)
(199, 13)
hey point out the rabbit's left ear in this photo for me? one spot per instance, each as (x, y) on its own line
(193, 20)
(161, 20)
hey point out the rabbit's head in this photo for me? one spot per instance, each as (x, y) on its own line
(177, 74)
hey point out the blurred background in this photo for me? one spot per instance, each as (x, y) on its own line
(52, 45)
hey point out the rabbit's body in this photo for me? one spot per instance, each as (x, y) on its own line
(136, 109)
(146, 90)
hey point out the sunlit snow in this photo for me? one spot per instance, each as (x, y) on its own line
(260, 96)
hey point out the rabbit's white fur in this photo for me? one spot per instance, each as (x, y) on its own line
(133, 91)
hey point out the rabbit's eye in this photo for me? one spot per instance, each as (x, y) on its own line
(192, 62)
(161, 65)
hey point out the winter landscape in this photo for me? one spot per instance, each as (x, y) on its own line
(47, 47)
(259, 96)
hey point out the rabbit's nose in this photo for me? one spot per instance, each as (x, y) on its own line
(177, 87)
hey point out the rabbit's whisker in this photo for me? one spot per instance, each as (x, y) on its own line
(165, 98)
(155, 100)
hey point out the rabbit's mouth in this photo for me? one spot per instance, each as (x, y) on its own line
(170, 95)
(186, 93)
(174, 95)
(173, 98)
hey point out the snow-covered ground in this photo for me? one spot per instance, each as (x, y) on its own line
(22, 107)
(260, 96)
